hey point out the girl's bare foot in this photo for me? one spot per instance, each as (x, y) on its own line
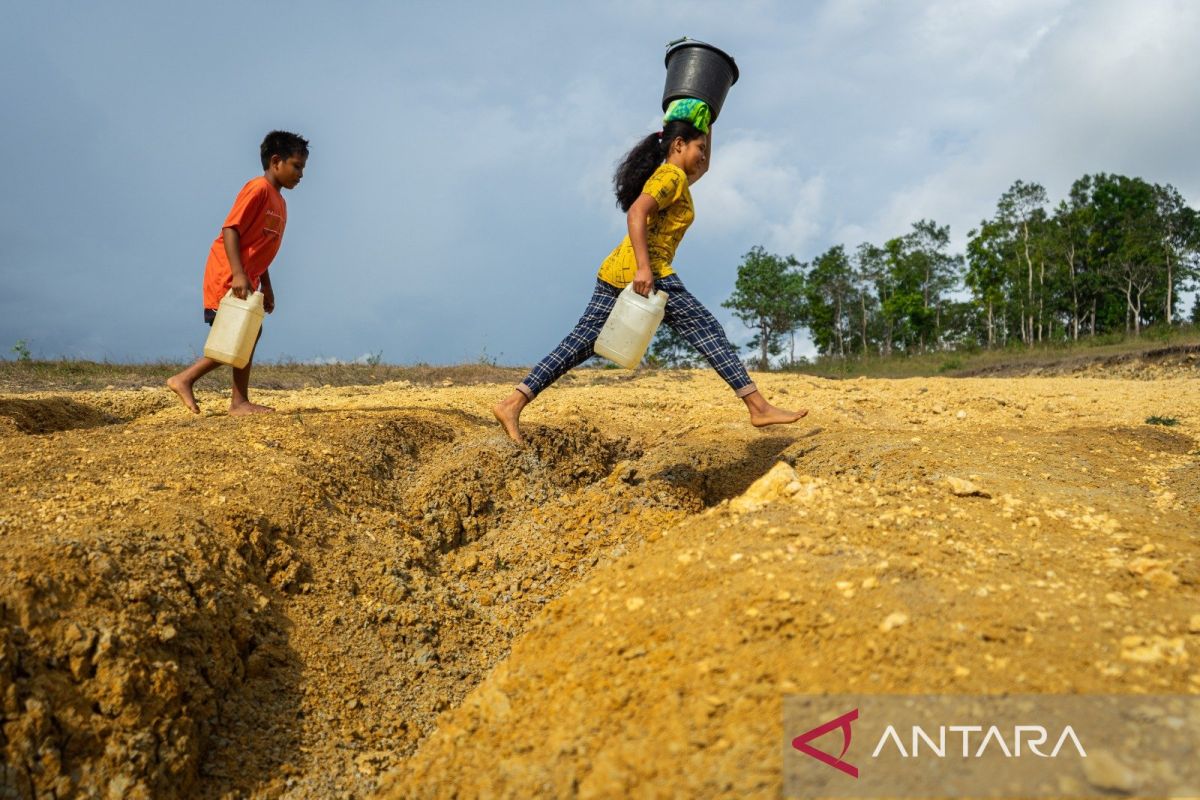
(763, 413)
(242, 409)
(183, 388)
(775, 416)
(508, 414)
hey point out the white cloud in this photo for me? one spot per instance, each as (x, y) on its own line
(461, 174)
(754, 190)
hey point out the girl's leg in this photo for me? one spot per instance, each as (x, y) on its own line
(572, 351)
(691, 320)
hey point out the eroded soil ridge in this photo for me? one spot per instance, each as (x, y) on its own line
(375, 582)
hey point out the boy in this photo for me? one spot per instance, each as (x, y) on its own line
(239, 257)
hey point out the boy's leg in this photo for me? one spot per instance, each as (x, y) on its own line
(691, 320)
(181, 382)
(575, 348)
(239, 402)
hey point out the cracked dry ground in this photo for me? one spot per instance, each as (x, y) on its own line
(373, 593)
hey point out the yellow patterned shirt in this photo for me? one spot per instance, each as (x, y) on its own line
(664, 230)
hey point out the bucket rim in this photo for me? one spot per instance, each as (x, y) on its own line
(679, 44)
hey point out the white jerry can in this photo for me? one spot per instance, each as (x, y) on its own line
(235, 330)
(630, 327)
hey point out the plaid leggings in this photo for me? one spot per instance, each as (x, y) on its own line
(684, 313)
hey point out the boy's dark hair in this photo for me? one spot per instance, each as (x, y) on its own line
(282, 144)
(640, 162)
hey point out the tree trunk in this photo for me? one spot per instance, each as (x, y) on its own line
(1074, 295)
(863, 299)
(1169, 287)
(837, 322)
(1029, 284)
(1128, 303)
(762, 343)
(1041, 297)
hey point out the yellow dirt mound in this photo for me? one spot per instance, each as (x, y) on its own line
(374, 581)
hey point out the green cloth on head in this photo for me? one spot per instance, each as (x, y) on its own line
(690, 109)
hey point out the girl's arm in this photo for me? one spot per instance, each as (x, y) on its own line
(639, 212)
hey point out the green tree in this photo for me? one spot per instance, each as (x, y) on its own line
(987, 247)
(868, 264)
(768, 299)
(1022, 210)
(1129, 241)
(1180, 230)
(828, 293)
(921, 271)
(1070, 234)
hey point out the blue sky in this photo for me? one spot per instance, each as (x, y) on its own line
(457, 201)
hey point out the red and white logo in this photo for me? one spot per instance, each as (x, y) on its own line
(801, 743)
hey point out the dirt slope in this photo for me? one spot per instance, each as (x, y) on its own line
(295, 606)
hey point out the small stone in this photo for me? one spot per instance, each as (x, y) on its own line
(961, 415)
(893, 621)
(1194, 624)
(769, 487)
(634, 603)
(1161, 579)
(1104, 771)
(964, 488)
(167, 633)
(1153, 650)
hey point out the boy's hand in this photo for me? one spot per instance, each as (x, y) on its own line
(240, 286)
(268, 298)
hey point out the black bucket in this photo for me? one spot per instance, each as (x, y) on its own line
(699, 70)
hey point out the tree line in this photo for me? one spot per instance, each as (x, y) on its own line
(1112, 256)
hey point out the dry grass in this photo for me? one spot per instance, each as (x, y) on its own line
(68, 375)
(964, 363)
(42, 376)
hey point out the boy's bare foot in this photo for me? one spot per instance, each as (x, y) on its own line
(763, 413)
(508, 414)
(184, 390)
(242, 409)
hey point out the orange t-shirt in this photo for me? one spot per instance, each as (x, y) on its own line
(259, 214)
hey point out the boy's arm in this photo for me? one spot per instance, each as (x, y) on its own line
(264, 283)
(233, 244)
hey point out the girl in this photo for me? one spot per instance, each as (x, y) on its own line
(651, 185)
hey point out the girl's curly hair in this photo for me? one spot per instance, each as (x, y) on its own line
(639, 163)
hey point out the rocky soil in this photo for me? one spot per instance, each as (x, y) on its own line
(373, 593)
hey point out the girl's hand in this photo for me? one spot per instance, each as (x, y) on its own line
(643, 281)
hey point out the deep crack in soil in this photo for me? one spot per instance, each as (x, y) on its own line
(290, 605)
